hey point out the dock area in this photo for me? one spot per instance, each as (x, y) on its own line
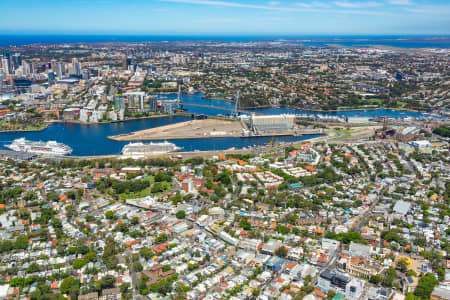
(185, 130)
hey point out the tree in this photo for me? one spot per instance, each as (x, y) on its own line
(147, 253)
(79, 263)
(409, 296)
(137, 266)
(125, 288)
(245, 224)
(331, 294)
(402, 264)
(21, 242)
(426, 286)
(91, 256)
(66, 284)
(106, 282)
(375, 279)
(34, 267)
(181, 214)
(109, 215)
(390, 276)
(281, 251)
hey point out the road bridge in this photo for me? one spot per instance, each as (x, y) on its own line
(231, 109)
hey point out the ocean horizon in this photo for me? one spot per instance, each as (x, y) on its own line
(400, 41)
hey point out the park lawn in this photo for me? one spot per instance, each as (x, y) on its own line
(150, 179)
(374, 101)
(141, 194)
(145, 192)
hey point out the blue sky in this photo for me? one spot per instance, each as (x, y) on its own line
(226, 17)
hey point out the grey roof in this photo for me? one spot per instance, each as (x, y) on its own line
(402, 207)
(443, 291)
(356, 249)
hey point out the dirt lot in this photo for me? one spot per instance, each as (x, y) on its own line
(185, 130)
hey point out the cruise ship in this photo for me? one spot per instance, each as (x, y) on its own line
(42, 148)
(151, 148)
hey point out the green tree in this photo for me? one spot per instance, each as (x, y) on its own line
(375, 279)
(109, 215)
(181, 214)
(389, 277)
(91, 256)
(79, 263)
(66, 284)
(426, 286)
(21, 242)
(281, 252)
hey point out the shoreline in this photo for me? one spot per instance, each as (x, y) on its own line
(187, 154)
(26, 130)
(319, 110)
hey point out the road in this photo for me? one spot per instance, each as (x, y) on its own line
(133, 278)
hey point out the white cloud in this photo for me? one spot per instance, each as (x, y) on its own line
(302, 7)
(430, 10)
(400, 2)
(314, 4)
(356, 4)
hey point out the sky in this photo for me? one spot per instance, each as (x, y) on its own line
(226, 17)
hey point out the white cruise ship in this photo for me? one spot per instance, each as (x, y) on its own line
(150, 148)
(42, 148)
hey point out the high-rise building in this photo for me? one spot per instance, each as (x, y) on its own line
(17, 60)
(59, 70)
(51, 76)
(7, 56)
(119, 103)
(53, 65)
(153, 104)
(126, 62)
(85, 74)
(26, 68)
(5, 65)
(76, 67)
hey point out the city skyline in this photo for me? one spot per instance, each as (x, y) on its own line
(211, 17)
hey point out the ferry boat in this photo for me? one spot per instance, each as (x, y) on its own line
(150, 148)
(42, 148)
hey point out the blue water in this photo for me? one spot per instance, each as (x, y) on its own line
(86, 140)
(91, 139)
(406, 41)
(197, 99)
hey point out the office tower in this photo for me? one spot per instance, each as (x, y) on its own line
(85, 74)
(76, 67)
(17, 60)
(33, 67)
(53, 65)
(51, 76)
(7, 56)
(26, 68)
(59, 70)
(5, 65)
(126, 62)
(153, 104)
(119, 103)
(141, 103)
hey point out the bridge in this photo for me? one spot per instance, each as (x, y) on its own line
(236, 109)
(231, 109)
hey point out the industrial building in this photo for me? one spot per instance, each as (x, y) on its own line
(272, 123)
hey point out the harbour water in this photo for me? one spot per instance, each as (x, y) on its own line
(403, 41)
(92, 139)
